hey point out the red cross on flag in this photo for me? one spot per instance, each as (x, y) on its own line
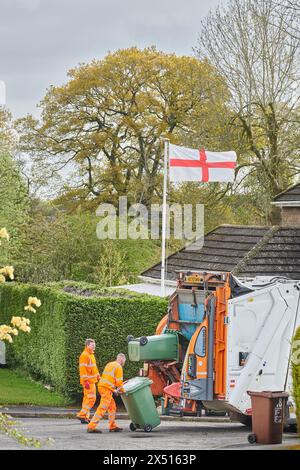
(200, 165)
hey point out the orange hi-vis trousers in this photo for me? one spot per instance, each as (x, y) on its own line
(89, 398)
(107, 404)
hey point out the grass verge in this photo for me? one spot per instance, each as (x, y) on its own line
(18, 390)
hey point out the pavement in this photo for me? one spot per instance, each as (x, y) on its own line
(174, 433)
(59, 413)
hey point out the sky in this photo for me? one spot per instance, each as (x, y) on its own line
(40, 40)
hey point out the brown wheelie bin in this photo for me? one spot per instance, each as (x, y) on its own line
(267, 416)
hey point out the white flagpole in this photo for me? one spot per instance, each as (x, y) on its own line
(164, 218)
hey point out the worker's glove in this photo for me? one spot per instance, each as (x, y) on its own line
(86, 385)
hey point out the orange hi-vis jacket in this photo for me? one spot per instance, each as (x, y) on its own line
(112, 377)
(88, 369)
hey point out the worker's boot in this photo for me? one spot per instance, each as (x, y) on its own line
(116, 429)
(84, 420)
(94, 431)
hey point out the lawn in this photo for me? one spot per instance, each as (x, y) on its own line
(18, 390)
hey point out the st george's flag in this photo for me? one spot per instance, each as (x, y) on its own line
(200, 165)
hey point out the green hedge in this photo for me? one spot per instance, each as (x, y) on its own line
(50, 352)
(296, 377)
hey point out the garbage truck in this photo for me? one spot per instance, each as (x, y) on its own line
(221, 337)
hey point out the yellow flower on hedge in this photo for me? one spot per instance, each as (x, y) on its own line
(2, 279)
(4, 234)
(29, 308)
(21, 323)
(32, 301)
(5, 329)
(5, 333)
(25, 328)
(16, 321)
(8, 271)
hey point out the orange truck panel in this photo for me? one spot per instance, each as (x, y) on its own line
(222, 295)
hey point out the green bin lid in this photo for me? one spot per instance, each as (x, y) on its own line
(135, 384)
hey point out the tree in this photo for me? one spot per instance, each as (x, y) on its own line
(14, 201)
(108, 120)
(250, 46)
(56, 246)
(110, 269)
(8, 137)
(289, 13)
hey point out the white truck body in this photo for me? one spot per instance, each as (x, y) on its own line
(261, 326)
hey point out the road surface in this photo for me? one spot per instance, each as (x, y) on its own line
(177, 435)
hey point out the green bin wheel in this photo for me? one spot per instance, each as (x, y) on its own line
(252, 438)
(132, 427)
(129, 338)
(143, 340)
(147, 428)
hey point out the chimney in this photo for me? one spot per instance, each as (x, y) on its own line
(289, 204)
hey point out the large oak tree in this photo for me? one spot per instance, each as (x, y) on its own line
(108, 121)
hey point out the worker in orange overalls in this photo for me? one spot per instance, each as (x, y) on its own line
(89, 376)
(111, 382)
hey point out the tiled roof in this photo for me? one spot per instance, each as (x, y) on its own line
(243, 250)
(224, 248)
(279, 256)
(291, 194)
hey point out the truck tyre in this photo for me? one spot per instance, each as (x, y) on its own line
(290, 428)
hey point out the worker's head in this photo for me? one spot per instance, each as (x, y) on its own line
(90, 345)
(121, 359)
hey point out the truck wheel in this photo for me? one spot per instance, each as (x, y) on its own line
(132, 427)
(290, 428)
(129, 338)
(143, 340)
(147, 428)
(252, 438)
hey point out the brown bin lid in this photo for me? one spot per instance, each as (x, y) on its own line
(268, 394)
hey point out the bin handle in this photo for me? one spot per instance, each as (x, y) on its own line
(118, 389)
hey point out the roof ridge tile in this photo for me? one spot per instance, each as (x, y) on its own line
(256, 249)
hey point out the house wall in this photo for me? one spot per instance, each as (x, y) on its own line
(290, 216)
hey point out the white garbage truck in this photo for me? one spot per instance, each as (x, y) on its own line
(230, 336)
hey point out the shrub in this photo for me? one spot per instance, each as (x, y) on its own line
(66, 319)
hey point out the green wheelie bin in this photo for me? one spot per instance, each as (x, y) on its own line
(164, 347)
(139, 403)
